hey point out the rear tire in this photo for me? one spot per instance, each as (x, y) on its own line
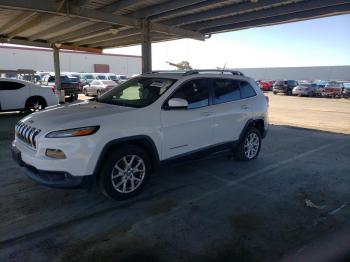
(85, 92)
(124, 172)
(275, 93)
(34, 104)
(249, 146)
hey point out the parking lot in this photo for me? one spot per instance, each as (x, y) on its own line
(284, 204)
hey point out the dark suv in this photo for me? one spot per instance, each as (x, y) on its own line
(284, 86)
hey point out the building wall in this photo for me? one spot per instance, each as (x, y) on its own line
(42, 60)
(299, 73)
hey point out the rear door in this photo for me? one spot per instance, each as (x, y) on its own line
(13, 95)
(190, 129)
(233, 106)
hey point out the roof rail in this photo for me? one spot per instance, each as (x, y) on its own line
(222, 71)
(167, 71)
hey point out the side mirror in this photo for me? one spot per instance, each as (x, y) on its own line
(177, 103)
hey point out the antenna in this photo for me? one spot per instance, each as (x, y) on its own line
(223, 69)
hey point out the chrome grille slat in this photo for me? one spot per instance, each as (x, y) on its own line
(27, 134)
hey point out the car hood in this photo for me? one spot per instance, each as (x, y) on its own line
(73, 114)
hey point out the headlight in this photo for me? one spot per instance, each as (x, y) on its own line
(81, 131)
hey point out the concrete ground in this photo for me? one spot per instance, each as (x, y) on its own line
(283, 205)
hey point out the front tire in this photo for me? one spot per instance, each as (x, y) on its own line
(249, 146)
(124, 172)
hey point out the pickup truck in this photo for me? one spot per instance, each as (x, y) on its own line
(71, 89)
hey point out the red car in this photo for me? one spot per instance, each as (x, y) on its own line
(265, 85)
(333, 89)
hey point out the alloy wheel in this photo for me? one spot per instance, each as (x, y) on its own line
(128, 174)
(251, 145)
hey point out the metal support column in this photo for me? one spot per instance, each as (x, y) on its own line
(146, 47)
(56, 62)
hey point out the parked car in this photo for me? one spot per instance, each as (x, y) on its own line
(23, 95)
(305, 89)
(98, 87)
(111, 76)
(284, 86)
(86, 78)
(100, 76)
(121, 78)
(320, 86)
(71, 89)
(265, 85)
(333, 89)
(153, 119)
(346, 90)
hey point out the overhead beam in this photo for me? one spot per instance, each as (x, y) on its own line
(5, 40)
(121, 4)
(109, 37)
(186, 10)
(61, 28)
(32, 23)
(81, 31)
(229, 10)
(15, 41)
(18, 21)
(163, 7)
(51, 6)
(280, 10)
(293, 17)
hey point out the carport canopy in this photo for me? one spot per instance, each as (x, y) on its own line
(93, 25)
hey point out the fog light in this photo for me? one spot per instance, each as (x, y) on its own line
(55, 153)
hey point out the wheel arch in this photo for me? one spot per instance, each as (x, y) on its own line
(142, 141)
(257, 123)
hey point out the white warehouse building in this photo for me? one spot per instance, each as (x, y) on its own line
(41, 59)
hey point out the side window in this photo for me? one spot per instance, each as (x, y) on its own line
(196, 93)
(247, 90)
(226, 90)
(5, 85)
(51, 79)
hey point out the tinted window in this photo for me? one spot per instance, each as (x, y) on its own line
(247, 90)
(5, 85)
(101, 77)
(196, 93)
(226, 90)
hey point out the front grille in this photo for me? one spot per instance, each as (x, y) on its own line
(27, 134)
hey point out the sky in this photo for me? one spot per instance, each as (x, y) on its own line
(317, 42)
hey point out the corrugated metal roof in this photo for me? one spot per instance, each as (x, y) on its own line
(110, 23)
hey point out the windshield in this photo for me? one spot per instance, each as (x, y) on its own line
(138, 92)
(112, 77)
(100, 77)
(89, 77)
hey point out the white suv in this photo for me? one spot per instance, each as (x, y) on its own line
(152, 119)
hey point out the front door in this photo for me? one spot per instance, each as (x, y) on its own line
(190, 129)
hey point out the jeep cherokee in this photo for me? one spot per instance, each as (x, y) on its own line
(118, 139)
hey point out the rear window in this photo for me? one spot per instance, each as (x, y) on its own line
(280, 82)
(247, 90)
(7, 85)
(123, 77)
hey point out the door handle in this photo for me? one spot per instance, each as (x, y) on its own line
(244, 107)
(207, 113)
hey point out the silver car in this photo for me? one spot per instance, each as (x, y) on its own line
(305, 89)
(98, 87)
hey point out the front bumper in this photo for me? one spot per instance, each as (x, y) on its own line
(55, 179)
